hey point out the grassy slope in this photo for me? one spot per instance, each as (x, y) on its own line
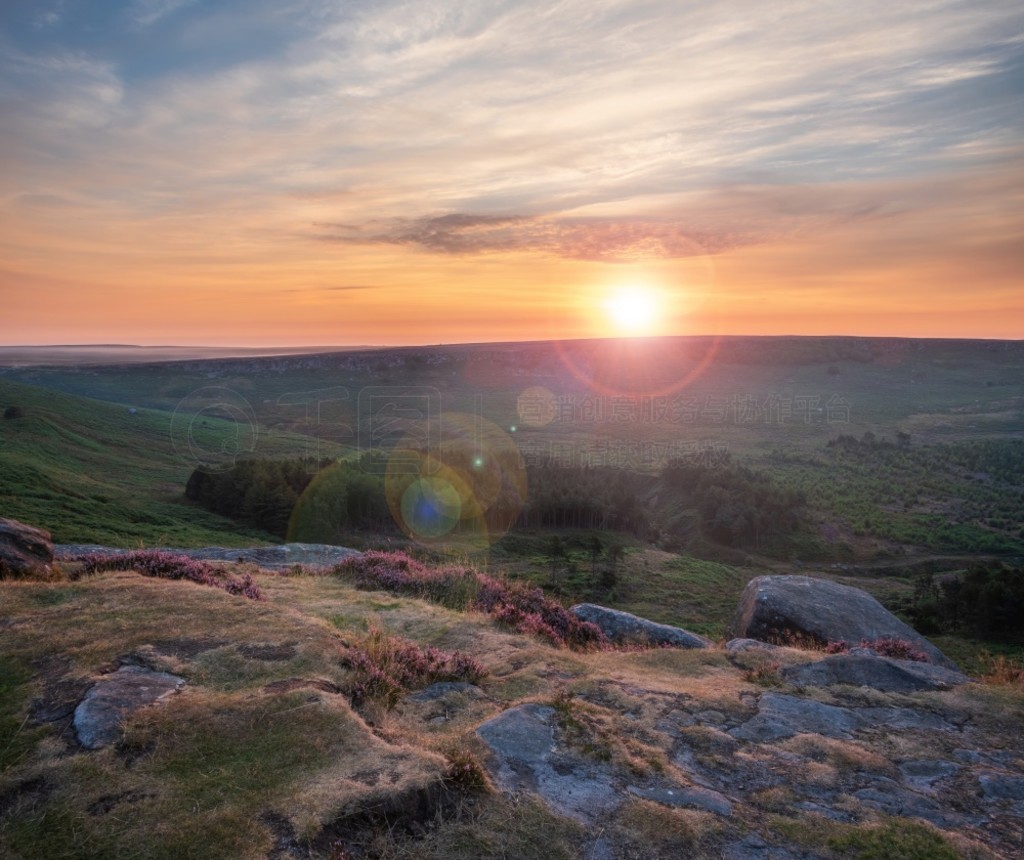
(90, 472)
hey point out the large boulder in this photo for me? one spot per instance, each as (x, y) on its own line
(774, 606)
(24, 550)
(623, 627)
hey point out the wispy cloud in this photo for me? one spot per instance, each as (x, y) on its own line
(145, 13)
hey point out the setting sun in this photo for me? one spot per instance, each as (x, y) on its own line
(633, 310)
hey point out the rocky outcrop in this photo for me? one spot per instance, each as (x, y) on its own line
(99, 716)
(773, 606)
(24, 550)
(879, 673)
(277, 557)
(622, 627)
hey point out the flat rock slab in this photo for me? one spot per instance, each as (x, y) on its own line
(880, 673)
(526, 757)
(99, 715)
(921, 775)
(780, 716)
(625, 627)
(891, 798)
(1000, 786)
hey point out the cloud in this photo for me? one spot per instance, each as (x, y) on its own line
(729, 218)
(145, 13)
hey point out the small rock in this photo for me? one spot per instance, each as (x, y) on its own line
(624, 627)
(99, 715)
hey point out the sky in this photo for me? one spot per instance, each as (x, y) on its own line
(283, 172)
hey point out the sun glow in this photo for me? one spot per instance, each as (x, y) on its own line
(634, 310)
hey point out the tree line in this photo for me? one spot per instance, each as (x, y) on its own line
(734, 505)
(987, 601)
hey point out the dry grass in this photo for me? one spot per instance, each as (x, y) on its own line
(844, 756)
(1001, 670)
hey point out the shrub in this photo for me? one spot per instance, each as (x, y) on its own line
(513, 605)
(166, 565)
(387, 666)
(1000, 669)
(885, 646)
(900, 649)
(465, 771)
(765, 673)
(12, 412)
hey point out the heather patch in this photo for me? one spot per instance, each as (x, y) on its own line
(167, 565)
(386, 667)
(513, 605)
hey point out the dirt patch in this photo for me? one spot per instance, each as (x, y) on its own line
(412, 812)
(285, 843)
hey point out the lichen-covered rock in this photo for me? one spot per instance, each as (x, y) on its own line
(24, 550)
(771, 606)
(621, 626)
